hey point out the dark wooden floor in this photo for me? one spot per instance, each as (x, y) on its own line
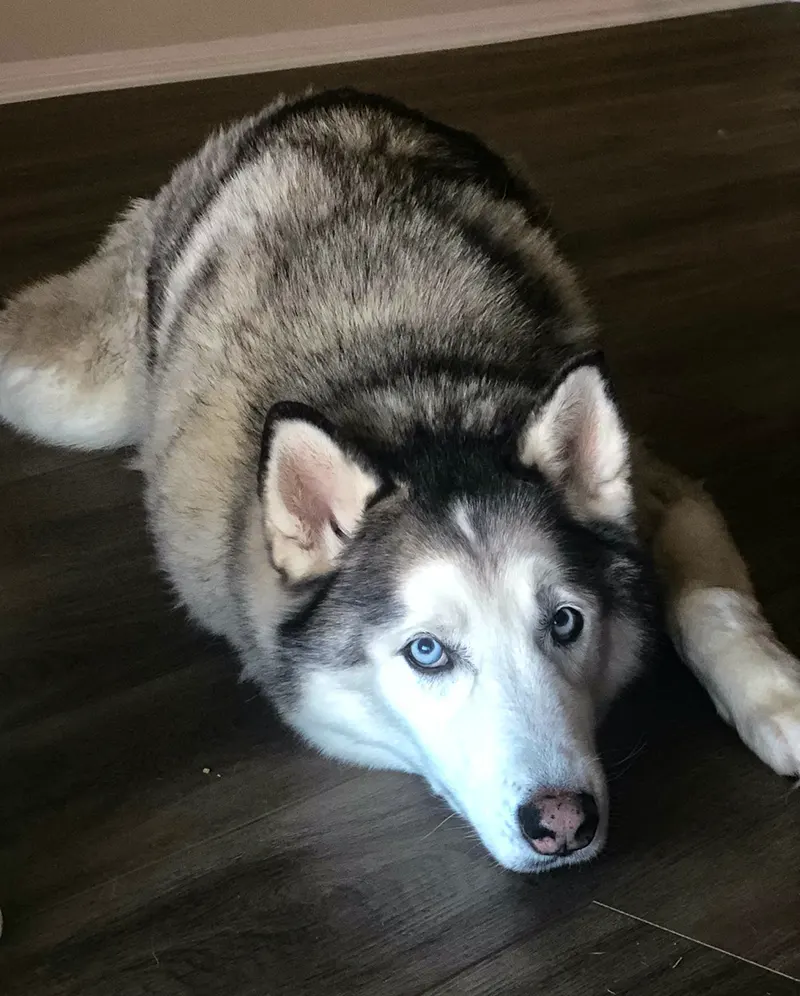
(161, 834)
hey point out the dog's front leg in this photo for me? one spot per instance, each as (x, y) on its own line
(715, 619)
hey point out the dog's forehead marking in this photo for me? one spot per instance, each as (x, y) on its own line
(436, 586)
(461, 593)
(491, 568)
(496, 532)
(462, 519)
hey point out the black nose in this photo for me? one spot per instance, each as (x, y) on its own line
(556, 822)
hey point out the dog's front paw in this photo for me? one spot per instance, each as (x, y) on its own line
(774, 734)
(765, 710)
(752, 678)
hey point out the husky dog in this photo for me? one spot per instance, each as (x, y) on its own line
(384, 459)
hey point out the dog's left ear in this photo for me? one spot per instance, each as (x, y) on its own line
(313, 491)
(576, 438)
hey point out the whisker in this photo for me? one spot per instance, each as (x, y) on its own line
(634, 753)
(616, 770)
(438, 825)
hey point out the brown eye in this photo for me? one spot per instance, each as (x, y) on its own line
(566, 625)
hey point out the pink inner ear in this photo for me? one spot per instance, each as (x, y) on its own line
(305, 484)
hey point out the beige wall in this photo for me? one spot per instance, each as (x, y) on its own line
(45, 29)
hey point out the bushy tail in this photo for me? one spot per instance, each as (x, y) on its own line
(72, 347)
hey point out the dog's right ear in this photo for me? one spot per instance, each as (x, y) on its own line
(313, 491)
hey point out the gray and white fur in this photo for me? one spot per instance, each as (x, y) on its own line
(384, 459)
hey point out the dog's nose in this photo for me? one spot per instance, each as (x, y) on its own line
(557, 823)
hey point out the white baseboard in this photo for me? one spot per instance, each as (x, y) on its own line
(345, 43)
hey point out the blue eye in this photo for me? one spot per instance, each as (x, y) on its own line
(426, 652)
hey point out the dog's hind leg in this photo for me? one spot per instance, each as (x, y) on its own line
(715, 619)
(72, 347)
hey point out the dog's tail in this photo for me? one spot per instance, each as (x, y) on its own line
(73, 347)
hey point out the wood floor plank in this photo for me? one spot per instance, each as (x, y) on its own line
(378, 911)
(160, 832)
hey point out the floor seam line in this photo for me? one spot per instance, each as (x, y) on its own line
(694, 940)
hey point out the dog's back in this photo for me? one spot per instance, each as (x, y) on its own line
(349, 236)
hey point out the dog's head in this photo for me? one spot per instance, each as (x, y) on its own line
(465, 608)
